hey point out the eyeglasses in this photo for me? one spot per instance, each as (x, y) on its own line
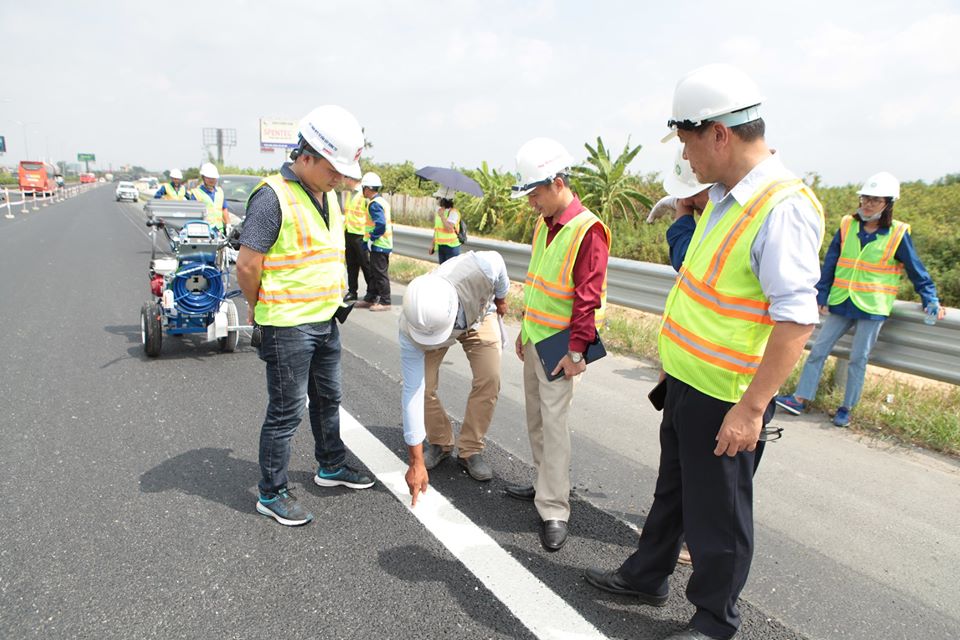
(683, 125)
(770, 434)
(872, 200)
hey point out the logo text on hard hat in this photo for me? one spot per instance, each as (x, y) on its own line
(326, 143)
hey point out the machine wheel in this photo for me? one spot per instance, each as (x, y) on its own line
(151, 331)
(229, 344)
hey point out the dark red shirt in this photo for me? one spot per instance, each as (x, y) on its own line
(589, 270)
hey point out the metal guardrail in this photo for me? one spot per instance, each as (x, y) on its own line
(905, 343)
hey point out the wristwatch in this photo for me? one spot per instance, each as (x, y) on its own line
(575, 357)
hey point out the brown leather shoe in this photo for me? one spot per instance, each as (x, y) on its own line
(477, 467)
(379, 307)
(363, 304)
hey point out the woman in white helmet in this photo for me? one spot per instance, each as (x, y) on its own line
(858, 284)
(446, 224)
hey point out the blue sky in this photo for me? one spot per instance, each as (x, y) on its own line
(851, 89)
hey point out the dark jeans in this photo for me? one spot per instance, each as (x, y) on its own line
(707, 498)
(378, 288)
(358, 260)
(301, 361)
(445, 252)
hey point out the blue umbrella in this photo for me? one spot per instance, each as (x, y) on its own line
(451, 178)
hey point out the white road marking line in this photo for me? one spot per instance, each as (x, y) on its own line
(542, 611)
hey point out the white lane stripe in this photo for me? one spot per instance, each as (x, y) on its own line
(542, 611)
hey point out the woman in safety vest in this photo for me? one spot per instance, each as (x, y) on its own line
(446, 223)
(858, 284)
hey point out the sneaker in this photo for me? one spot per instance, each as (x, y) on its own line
(790, 404)
(433, 454)
(842, 417)
(283, 508)
(342, 477)
(379, 307)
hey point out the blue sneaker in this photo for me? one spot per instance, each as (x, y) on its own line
(842, 417)
(283, 508)
(790, 404)
(342, 477)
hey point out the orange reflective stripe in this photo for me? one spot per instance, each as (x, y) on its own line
(725, 305)
(306, 295)
(547, 319)
(553, 289)
(730, 241)
(297, 210)
(869, 266)
(865, 286)
(894, 242)
(713, 353)
(289, 262)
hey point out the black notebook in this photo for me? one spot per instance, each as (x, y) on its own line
(551, 350)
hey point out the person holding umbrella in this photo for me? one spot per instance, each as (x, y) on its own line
(446, 224)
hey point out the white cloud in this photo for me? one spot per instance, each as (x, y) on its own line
(475, 114)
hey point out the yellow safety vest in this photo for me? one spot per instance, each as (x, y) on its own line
(869, 276)
(548, 290)
(355, 214)
(440, 235)
(170, 193)
(303, 277)
(386, 240)
(716, 322)
(214, 206)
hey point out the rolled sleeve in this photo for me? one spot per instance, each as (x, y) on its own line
(411, 366)
(785, 257)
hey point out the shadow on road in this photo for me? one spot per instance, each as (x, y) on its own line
(213, 474)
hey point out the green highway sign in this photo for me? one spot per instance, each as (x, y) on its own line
(86, 157)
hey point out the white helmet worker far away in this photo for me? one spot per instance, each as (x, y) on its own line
(334, 134)
(881, 185)
(370, 179)
(539, 161)
(176, 174)
(209, 170)
(680, 182)
(430, 307)
(714, 93)
(445, 192)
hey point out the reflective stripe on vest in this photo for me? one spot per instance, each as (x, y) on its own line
(440, 235)
(548, 290)
(869, 275)
(303, 272)
(716, 321)
(386, 240)
(169, 193)
(214, 205)
(355, 214)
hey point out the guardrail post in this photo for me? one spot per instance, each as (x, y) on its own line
(36, 205)
(6, 199)
(840, 373)
(45, 203)
(23, 201)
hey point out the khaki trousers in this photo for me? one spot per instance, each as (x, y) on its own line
(548, 404)
(483, 349)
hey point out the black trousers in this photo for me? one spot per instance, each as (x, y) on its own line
(378, 287)
(358, 260)
(706, 498)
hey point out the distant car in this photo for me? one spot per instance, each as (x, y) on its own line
(236, 190)
(127, 191)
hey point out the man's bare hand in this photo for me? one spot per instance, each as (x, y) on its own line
(417, 480)
(519, 347)
(739, 432)
(569, 368)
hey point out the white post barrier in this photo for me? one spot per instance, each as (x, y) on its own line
(44, 196)
(36, 203)
(6, 199)
(23, 201)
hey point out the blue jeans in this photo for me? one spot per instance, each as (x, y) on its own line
(301, 361)
(445, 252)
(864, 337)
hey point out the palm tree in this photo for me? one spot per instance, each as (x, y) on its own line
(605, 187)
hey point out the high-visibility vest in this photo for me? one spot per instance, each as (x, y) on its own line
(172, 193)
(355, 214)
(716, 322)
(386, 240)
(214, 205)
(869, 276)
(440, 235)
(548, 290)
(303, 278)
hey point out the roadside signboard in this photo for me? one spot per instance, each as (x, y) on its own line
(3, 144)
(86, 157)
(277, 134)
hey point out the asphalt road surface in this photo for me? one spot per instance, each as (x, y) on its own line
(129, 484)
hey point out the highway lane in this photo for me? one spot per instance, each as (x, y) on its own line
(129, 484)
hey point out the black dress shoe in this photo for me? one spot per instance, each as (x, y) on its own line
(520, 492)
(613, 582)
(553, 533)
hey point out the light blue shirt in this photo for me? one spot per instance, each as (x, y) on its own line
(411, 356)
(785, 255)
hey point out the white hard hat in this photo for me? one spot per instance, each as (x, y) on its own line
(680, 181)
(716, 92)
(539, 161)
(430, 307)
(336, 135)
(175, 174)
(446, 193)
(208, 170)
(881, 185)
(370, 179)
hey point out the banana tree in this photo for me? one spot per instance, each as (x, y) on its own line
(605, 187)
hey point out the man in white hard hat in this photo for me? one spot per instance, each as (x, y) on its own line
(379, 244)
(212, 196)
(686, 198)
(461, 301)
(565, 290)
(290, 269)
(173, 190)
(733, 327)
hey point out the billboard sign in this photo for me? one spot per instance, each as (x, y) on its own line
(86, 157)
(277, 134)
(3, 144)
